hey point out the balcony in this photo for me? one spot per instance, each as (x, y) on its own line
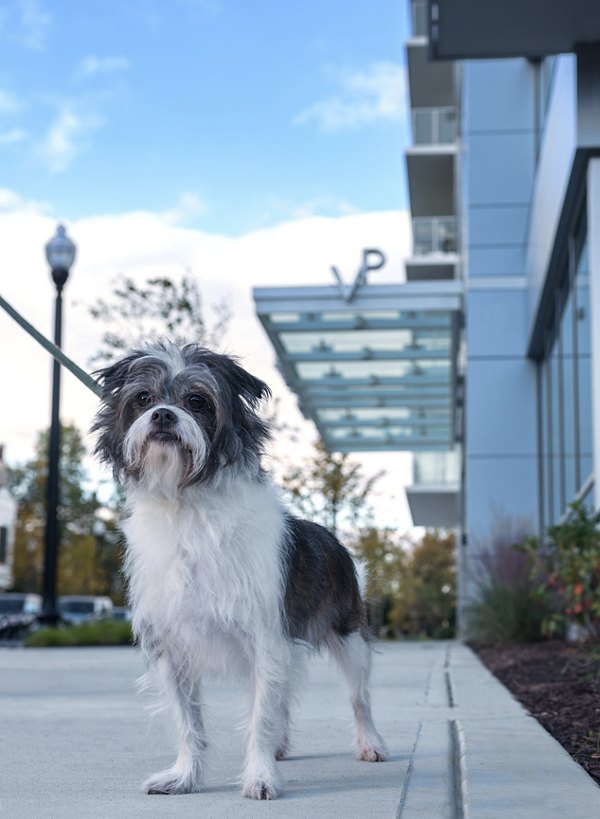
(434, 126)
(435, 468)
(434, 497)
(435, 234)
(419, 18)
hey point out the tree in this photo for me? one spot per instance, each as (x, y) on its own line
(425, 602)
(330, 489)
(83, 556)
(383, 555)
(159, 308)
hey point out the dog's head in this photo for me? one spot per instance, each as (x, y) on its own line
(174, 416)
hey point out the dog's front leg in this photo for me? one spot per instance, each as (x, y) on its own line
(182, 688)
(270, 668)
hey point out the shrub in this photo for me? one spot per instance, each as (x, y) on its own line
(567, 564)
(98, 633)
(507, 608)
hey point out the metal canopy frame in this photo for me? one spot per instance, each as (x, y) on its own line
(375, 372)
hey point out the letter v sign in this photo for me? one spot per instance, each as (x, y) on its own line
(349, 291)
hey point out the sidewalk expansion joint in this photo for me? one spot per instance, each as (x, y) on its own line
(458, 768)
(409, 769)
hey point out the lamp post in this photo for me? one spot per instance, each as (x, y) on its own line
(60, 253)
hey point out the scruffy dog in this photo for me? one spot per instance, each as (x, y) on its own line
(222, 579)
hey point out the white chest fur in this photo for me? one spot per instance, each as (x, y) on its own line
(207, 562)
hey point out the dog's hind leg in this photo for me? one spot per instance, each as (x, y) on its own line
(183, 691)
(353, 654)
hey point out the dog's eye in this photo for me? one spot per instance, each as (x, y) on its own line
(143, 398)
(196, 402)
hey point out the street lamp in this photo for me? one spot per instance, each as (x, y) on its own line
(60, 253)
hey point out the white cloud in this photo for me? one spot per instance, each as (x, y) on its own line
(92, 65)
(277, 209)
(13, 136)
(364, 97)
(66, 137)
(145, 244)
(9, 103)
(34, 24)
(188, 206)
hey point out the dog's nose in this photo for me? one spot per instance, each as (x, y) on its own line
(163, 417)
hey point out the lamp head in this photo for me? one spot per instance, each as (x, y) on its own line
(60, 253)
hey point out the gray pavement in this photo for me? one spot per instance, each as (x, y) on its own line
(76, 740)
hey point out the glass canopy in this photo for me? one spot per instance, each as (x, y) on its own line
(377, 372)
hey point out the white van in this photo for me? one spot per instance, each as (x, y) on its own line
(20, 603)
(77, 608)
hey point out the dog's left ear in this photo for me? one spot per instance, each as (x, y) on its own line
(247, 386)
(250, 388)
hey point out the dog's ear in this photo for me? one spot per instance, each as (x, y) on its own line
(107, 423)
(239, 380)
(113, 378)
(248, 386)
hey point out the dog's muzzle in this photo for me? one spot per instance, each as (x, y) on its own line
(163, 423)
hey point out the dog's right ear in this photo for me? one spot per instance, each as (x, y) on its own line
(112, 379)
(108, 421)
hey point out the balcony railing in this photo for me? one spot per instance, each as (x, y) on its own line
(419, 18)
(434, 234)
(436, 468)
(434, 126)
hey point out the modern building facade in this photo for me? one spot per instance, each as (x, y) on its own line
(486, 362)
(528, 201)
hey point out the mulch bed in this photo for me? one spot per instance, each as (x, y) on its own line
(559, 684)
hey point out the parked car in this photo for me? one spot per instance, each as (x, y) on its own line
(78, 608)
(18, 613)
(121, 613)
(20, 603)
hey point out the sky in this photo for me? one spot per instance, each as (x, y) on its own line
(253, 143)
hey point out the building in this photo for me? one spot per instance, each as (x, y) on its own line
(8, 516)
(483, 362)
(528, 200)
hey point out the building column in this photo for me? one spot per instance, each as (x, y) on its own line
(593, 238)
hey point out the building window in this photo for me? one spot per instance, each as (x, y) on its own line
(3, 544)
(565, 389)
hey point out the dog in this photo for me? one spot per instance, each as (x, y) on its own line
(222, 578)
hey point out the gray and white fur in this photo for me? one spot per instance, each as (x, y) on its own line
(222, 578)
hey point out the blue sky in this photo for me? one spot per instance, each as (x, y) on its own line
(242, 114)
(252, 142)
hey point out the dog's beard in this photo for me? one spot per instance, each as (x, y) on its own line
(165, 465)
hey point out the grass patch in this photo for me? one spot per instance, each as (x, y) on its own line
(100, 633)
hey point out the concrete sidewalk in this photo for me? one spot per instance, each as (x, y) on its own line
(76, 741)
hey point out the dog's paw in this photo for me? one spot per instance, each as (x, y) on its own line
(283, 749)
(170, 781)
(260, 790)
(373, 752)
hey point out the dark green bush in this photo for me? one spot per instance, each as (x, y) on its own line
(98, 633)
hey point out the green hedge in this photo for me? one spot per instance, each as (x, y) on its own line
(99, 633)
